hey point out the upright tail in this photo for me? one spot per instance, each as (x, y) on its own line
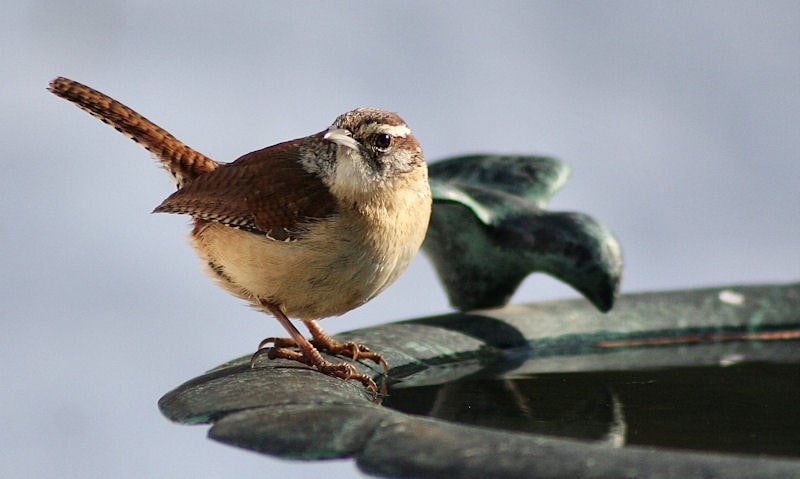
(182, 162)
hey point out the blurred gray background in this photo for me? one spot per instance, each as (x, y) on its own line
(681, 121)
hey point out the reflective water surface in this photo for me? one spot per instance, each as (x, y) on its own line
(748, 408)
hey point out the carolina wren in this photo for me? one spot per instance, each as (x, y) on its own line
(306, 229)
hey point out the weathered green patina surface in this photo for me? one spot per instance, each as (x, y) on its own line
(284, 409)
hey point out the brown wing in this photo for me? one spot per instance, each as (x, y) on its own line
(266, 191)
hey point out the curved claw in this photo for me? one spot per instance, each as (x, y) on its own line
(343, 371)
(321, 341)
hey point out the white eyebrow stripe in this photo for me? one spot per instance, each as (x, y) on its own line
(396, 130)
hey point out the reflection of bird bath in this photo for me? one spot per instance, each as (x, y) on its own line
(548, 405)
(746, 408)
(713, 371)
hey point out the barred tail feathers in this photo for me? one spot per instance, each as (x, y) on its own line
(181, 161)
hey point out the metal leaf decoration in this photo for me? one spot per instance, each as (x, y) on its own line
(489, 230)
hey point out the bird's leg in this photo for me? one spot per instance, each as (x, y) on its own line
(308, 354)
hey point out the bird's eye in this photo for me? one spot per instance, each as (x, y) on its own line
(383, 141)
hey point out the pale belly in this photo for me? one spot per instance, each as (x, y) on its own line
(309, 279)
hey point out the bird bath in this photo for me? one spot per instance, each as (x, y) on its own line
(693, 383)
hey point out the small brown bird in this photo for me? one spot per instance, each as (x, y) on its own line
(305, 229)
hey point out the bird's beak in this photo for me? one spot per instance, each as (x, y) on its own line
(341, 137)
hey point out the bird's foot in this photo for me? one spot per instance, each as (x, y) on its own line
(280, 349)
(350, 349)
